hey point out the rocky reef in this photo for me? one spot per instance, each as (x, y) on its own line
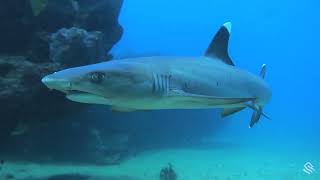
(39, 37)
(27, 24)
(77, 47)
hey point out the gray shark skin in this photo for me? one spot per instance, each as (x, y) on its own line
(151, 83)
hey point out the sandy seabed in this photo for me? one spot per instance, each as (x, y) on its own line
(223, 162)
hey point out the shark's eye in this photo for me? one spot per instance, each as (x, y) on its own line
(97, 77)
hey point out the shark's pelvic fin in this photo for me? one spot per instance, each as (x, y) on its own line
(230, 111)
(218, 48)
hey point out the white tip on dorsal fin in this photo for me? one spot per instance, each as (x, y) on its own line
(228, 26)
(218, 48)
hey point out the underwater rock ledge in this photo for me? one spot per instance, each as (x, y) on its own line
(30, 49)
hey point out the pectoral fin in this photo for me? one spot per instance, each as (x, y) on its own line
(230, 111)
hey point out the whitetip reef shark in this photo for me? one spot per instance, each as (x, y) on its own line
(160, 82)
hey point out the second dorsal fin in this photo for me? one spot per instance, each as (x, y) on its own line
(218, 48)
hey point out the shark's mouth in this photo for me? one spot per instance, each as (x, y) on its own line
(85, 97)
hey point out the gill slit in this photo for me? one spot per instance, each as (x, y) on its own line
(161, 84)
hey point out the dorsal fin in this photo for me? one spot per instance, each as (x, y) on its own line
(218, 48)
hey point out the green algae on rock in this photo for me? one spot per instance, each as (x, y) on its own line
(38, 6)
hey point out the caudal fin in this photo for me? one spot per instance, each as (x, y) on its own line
(257, 113)
(263, 71)
(257, 110)
(255, 117)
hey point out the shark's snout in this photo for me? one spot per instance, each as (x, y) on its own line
(56, 83)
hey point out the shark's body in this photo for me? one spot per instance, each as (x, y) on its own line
(148, 83)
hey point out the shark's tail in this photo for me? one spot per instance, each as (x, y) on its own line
(257, 109)
(257, 113)
(255, 116)
(218, 49)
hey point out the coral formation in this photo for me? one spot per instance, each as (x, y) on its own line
(22, 94)
(46, 43)
(77, 47)
(167, 173)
